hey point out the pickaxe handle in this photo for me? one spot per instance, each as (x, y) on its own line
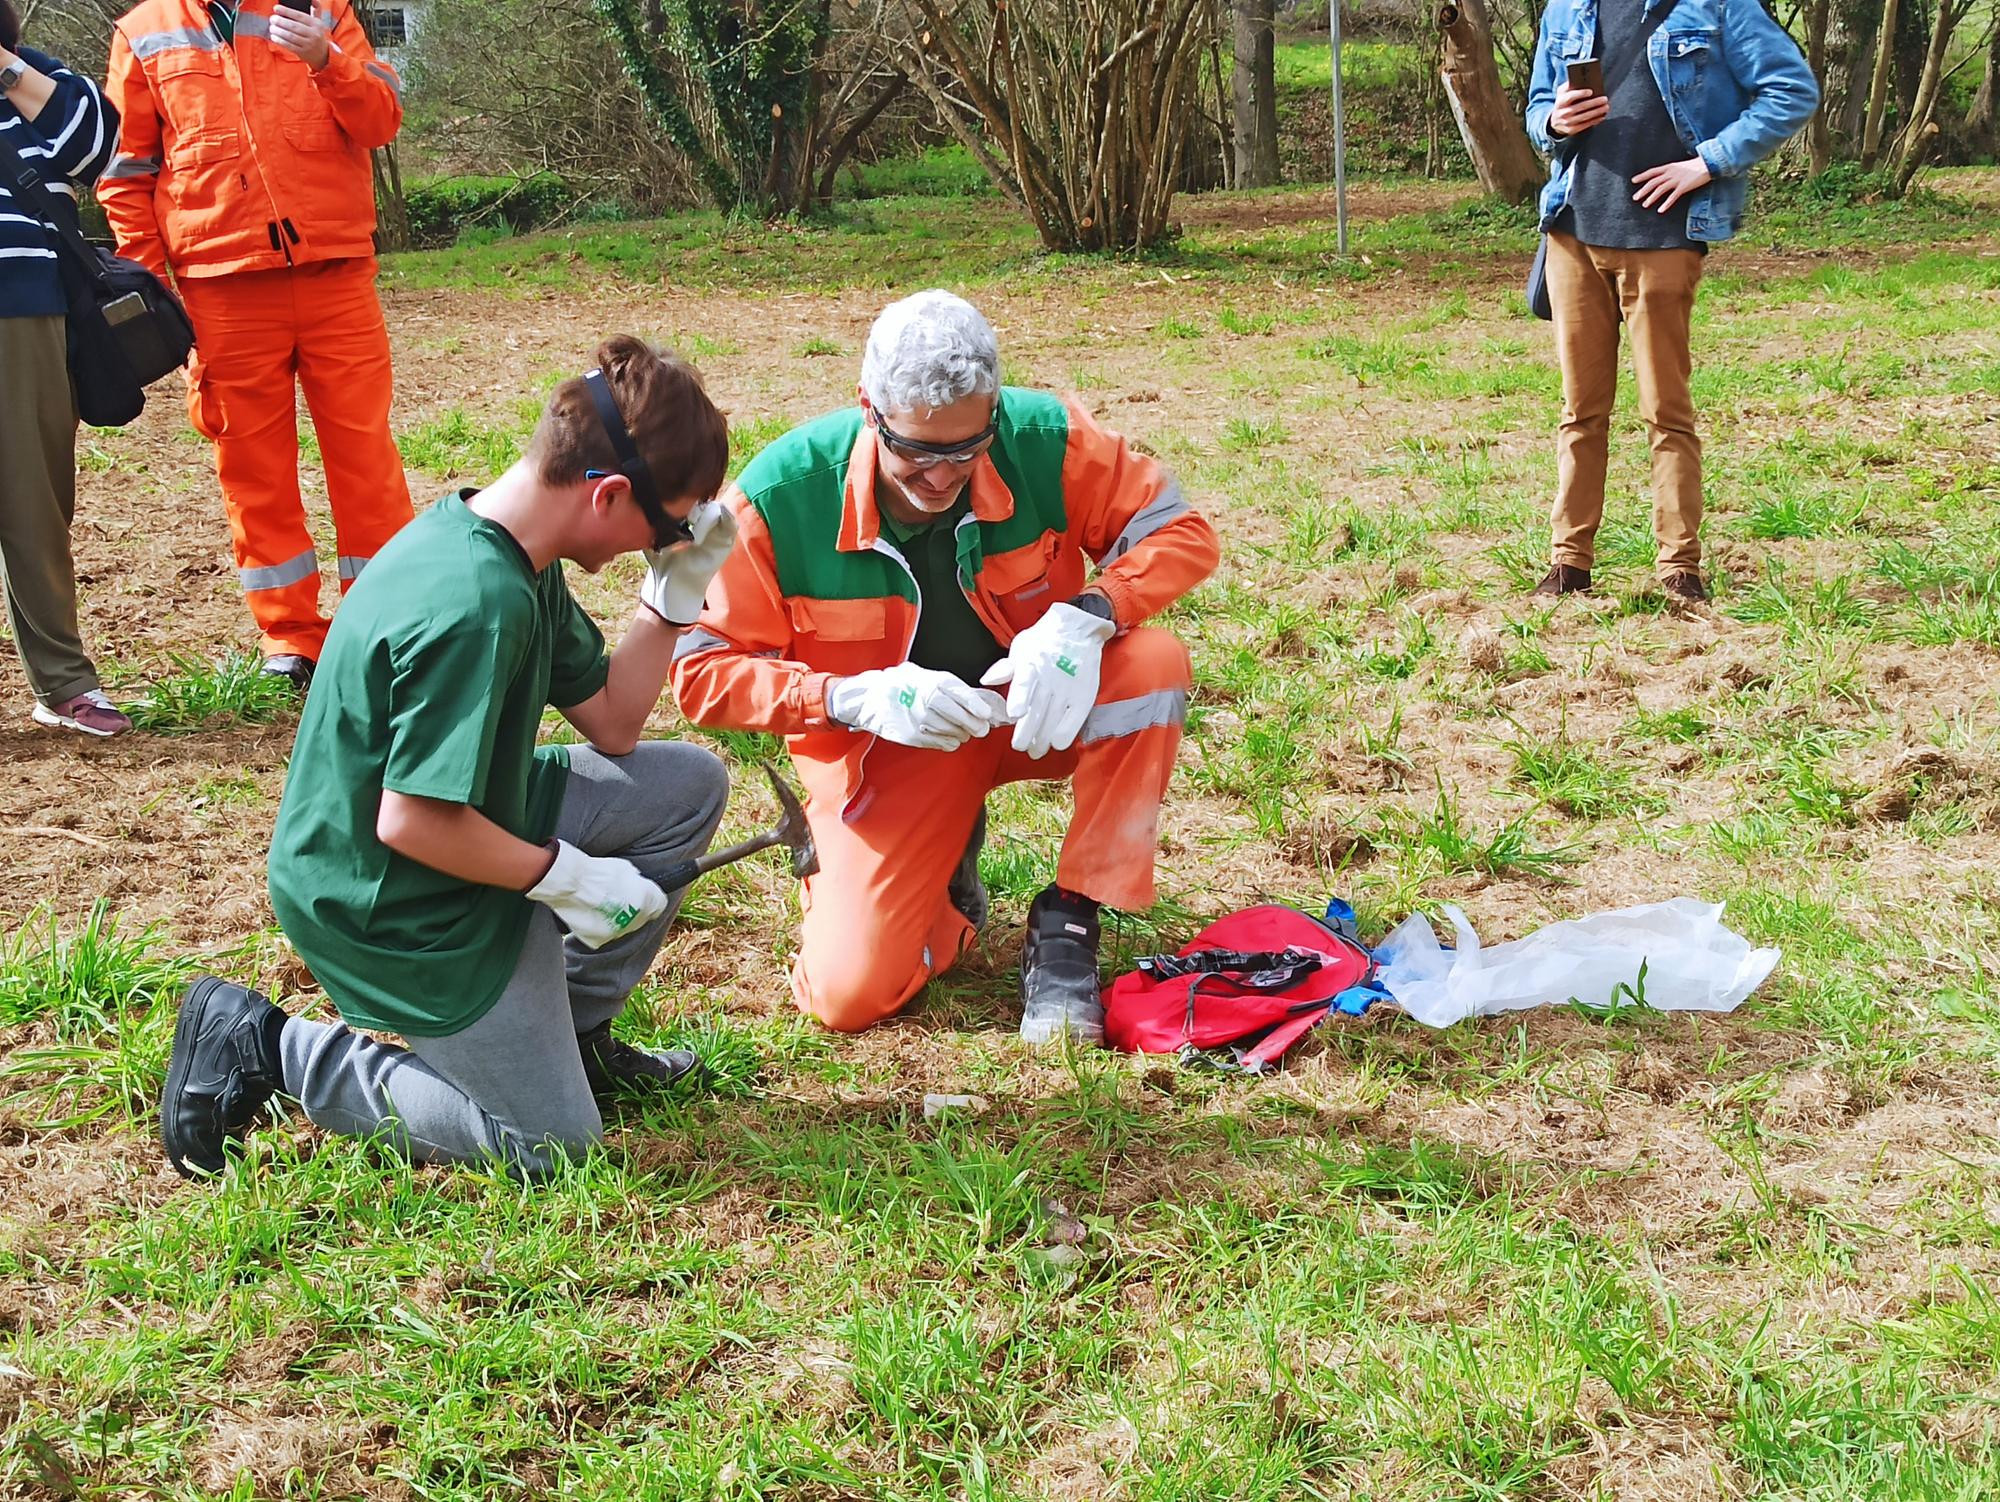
(684, 872)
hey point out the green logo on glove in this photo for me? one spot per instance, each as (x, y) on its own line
(907, 697)
(1064, 665)
(618, 917)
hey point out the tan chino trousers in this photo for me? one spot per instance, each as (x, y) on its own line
(37, 505)
(1593, 289)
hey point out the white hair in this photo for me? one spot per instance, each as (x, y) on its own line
(928, 351)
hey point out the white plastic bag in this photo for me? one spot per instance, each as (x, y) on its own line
(1692, 963)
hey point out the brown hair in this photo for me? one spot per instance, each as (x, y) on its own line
(10, 26)
(678, 431)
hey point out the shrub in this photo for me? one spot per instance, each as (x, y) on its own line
(441, 209)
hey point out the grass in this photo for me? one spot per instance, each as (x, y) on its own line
(1547, 1255)
(201, 696)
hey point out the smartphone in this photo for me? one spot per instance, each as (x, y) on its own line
(304, 7)
(123, 309)
(1586, 75)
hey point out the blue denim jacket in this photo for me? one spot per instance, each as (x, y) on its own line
(1734, 82)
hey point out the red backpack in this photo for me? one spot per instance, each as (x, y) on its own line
(1255, 981)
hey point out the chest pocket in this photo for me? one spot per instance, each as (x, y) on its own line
(1026, 581)
(1688, 54)
(308, 122)
(197, 100)
(841, 636)
(315, 135)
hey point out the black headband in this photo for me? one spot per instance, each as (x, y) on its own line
(630, 464)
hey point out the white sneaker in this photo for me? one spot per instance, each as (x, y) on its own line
(89, 713)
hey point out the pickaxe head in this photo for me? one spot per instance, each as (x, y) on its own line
(792, 828)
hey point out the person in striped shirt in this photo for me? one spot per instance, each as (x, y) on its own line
(61, 126)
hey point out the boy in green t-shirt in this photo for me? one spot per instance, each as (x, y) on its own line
(428, 855)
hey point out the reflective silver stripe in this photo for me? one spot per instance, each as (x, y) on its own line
(132, 166)
(694, 639)
(351, 567)
(278, 575)
(1167, 706)
(180, 39)
(1155, 514)
(388, 76)
(253, 26)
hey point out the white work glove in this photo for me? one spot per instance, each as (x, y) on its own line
(600, 897)
(915, 706)
(1052, 669)
(677, 577)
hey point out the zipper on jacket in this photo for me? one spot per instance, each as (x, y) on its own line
(971, 597)
(888, 550)
(233, 69)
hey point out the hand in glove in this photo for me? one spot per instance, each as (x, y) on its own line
(915, 706)
(677, 577)
(599, 897)
(1052, 669)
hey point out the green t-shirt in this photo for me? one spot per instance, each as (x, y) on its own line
(435, 675)
(951, 638)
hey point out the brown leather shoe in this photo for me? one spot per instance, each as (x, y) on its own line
(1686, 585)
(1564, 580)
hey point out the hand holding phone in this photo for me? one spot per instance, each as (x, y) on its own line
(1580, 99)
(295, 28)
(1586, 75)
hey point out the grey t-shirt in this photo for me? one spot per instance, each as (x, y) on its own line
(1637, 134)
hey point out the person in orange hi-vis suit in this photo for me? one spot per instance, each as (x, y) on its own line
(912, 604)
(243, 166)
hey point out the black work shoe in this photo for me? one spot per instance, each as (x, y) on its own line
(611, 1064)
(1564, 580)
(1059, 990)
(1685, 585)
(292, 667)
(966, 891)
(223, 1069)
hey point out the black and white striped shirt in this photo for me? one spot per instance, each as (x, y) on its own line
(69, 143)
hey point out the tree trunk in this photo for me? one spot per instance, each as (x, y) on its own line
(1985, 112)
(843, 147)
(1819, 131)
(1878, 90)
(1493, 134)
(1254, 94)
(1915, 142)
(1913, 40)
(392, 209)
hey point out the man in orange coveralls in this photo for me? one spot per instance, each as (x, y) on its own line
(243, 165)
(903, 565)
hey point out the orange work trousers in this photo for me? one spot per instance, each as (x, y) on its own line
(878, 923)
(257, 335)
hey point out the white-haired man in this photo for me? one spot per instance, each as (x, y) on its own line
(903, 565)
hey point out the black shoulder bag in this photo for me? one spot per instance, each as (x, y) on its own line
(126, 328)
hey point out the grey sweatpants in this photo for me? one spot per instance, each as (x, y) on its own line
(511, 1087)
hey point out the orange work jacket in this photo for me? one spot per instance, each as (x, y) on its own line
(238, 157)
(813, 592)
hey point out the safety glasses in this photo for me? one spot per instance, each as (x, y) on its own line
(930, 455)
(667, 530)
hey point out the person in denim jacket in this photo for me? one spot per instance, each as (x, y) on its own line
(1643, 178)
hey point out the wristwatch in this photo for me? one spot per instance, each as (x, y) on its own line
(1090, 602)
(11, 76)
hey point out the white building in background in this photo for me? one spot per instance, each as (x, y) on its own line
(393, 25)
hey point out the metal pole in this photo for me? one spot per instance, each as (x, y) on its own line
(1339, 136)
